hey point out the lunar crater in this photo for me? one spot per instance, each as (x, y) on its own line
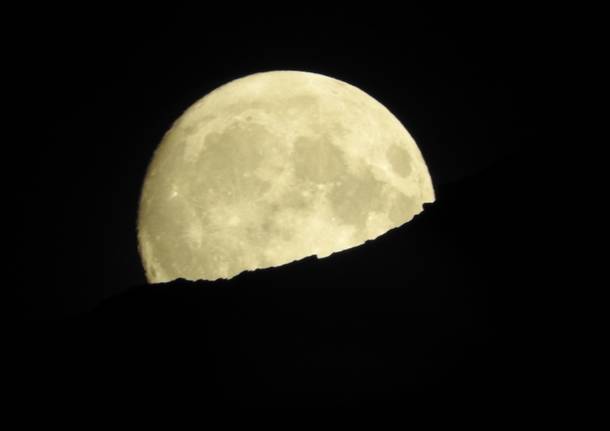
(400, 160)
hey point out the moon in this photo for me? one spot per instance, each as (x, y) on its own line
(272, 168)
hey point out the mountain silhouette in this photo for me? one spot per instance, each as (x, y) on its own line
(433, 308)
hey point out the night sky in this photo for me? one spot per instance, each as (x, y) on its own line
(106, 84)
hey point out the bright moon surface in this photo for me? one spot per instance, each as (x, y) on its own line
(272, 168)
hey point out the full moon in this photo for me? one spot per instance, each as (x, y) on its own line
(272, 168)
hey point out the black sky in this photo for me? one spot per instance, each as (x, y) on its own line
(105, 84)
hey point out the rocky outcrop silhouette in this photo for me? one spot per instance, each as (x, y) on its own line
(431, 309)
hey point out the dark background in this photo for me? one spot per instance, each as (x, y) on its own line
(442, 306)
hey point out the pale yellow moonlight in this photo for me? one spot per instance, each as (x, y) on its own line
(271, 168)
